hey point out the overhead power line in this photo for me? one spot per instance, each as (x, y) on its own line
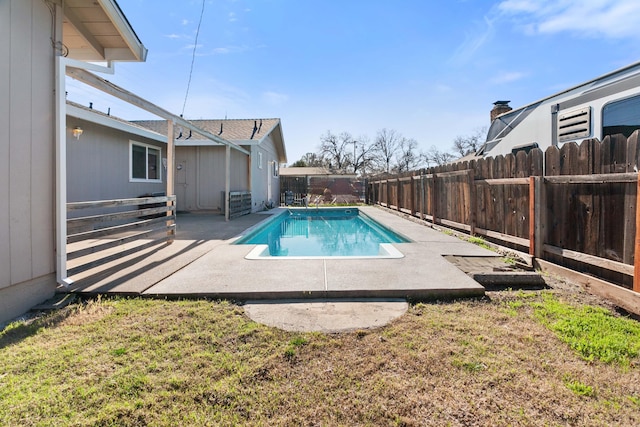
(193, 58)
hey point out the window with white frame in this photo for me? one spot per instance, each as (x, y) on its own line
(275, 169)
(144, 162)
(259, 160)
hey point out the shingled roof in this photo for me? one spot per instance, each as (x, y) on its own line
(238, 131)
(234, 130)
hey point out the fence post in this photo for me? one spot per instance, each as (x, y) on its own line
(636, 260)
(412, 185)
(398, 189)
(472, 202)
(537, 209)
(434, 198)
(533, 217)
(421, 196)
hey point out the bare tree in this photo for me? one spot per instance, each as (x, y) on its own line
(407, 158)
(335, 150)
(385, 148)
(361, 159)
(437, 157)
(464, 145)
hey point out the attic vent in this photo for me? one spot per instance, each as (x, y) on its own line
(574, 124)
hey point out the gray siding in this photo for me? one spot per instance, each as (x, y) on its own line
(26, 142)
(27, 156)
(98, 164)
(200, 181)
(264, 186)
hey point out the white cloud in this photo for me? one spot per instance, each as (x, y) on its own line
(274, 98)
(508, 77)
(474, 41)
(192, 46)
(587, 18)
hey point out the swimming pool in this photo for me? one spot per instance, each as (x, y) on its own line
(322, 233)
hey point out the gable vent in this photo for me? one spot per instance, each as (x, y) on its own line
(574, 124)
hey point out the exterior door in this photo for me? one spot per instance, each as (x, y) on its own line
(181, 185)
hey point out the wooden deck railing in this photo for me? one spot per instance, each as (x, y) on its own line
(121, 228)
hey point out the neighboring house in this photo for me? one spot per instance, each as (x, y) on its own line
(37, 39)
(604, 106)
(200, 167)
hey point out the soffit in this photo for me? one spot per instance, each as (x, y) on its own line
(97, 30)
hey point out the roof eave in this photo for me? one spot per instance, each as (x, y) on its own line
(99, 119)
(136, 51)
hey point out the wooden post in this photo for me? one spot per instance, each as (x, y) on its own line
(434, 198)
(421, 196)
(171, 155)
(533, 209)
(227, 182)
(636, 259)
(249, 160)
(388, 193)
(413, 195)
(472, 202)
(537, 209)
(398, 189)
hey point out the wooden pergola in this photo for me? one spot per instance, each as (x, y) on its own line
(79, 71)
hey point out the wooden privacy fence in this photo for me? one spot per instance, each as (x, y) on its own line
(576, 206)
(119, 228)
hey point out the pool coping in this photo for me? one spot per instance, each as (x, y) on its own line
(422, 273)
(203, 262)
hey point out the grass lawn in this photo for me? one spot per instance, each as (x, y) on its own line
(514, 358)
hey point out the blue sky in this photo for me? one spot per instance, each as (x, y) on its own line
(429, 69)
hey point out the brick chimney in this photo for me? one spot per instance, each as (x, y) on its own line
(499, 107)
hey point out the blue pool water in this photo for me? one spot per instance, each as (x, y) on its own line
(322, 233)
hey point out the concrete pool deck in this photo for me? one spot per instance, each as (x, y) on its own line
(202, 262)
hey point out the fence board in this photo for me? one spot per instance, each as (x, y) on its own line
(587, 201)
(123, 230)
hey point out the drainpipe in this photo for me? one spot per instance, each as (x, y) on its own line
(61, 64)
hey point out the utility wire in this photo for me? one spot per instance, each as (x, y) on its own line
(193, 58)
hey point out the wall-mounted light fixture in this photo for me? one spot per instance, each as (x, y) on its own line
(77, 131)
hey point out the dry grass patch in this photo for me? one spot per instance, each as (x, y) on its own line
(149, 362)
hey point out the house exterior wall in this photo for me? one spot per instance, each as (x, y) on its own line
(200, 177)
(98, 164)
(27, 154)
(265, 187)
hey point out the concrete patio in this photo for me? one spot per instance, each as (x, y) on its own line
(202, 262)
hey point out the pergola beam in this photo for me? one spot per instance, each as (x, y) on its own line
(123, 94)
